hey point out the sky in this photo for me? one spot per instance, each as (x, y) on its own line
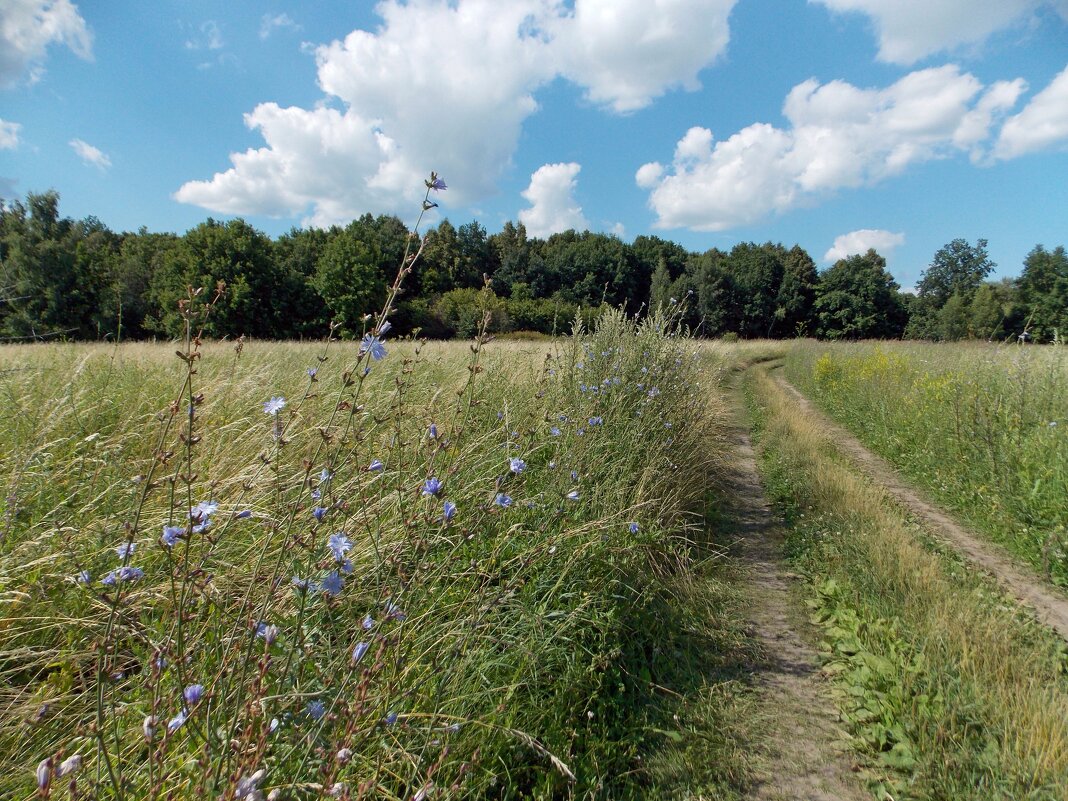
(838, 125)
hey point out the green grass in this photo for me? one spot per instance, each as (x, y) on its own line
(948, 689)
(523, 653)
(983, 429)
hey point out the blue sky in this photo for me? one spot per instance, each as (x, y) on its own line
(835, 124)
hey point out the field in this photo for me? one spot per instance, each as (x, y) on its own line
(512, 569)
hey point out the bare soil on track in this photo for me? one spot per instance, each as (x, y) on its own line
(801, 760)
(1049, 606)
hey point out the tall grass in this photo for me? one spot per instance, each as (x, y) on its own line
(984, 429)
(947, 688)
(422, 576)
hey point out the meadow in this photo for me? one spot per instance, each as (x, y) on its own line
(982, 428)
(388, 570)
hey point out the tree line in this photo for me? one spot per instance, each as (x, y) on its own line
(77, 279)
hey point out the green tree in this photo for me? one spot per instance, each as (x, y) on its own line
(858, 299)
(349, 275)
(1043, 289)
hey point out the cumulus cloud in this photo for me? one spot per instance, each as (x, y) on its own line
(840, 136)
(909, 30)
(272, 22)
(1042, 124)
(861, 241)
(28, 27)
(628, 53)
(447, 86)
(551, 195)
(9, 135)
(91, 156)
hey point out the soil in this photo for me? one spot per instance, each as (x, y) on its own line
(1049, 606)
(800, 757)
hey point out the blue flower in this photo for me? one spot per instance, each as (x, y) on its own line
(596, 421)
(431, 486)
(394, 612)
(125, 573)
(385, 328)
(84, 577)
(339, 545)
(360, 650)
(554, 431)
(171, 535)
(573, 495)
(176, 722)
(274, 405)
(391, 718)
(267, 631)
(193, 693)
(315, 710)
(368, 622)
(319, 512)
(516, 465)
(436, 184)
(449, 510)
(244, 515)
(313, 372)
(203, 509)
(302, 583)
(432, 432)
(332, 583)
(325, 475)
(502, 500)
(654, 392)
(633, 528)
(373, 345)
(376, 464)
(574, 475)
(126, 549)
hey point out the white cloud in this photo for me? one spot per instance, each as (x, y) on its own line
(447, 85)
(90, 155)
(28, 27)
(840, 136)
(909, 30)
(861, 241)
(628, 52)
(552, 197)
(9, 135)
(1042, 124)
(210, 37)
(272, 22)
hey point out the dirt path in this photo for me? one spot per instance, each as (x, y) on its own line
(800, 762)
(1049, 606)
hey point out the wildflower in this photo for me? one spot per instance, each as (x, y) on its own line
(203, 509)
(44, 775)
(552, 465)
(126, 549)
(654, 392)
(344, 755)
(244, 515)
(454, 727)
(193, 693)
(436, 183)
(633, 526)
(391, 718)
(574, 475)
(148, 726)
(573, 495)
(319, 512)
(268, 631)
(359, 651)
(339, 790)
(431, 486)
(373, 345)
(339, 545)
(376, 464)
(125, 573)
(596, 421)
(315, 709)
(368, 622)
(502, 500)
(346, 566)
(554, 431)
(176, 722)
(302, 583)
(448, 510)
(171, 535)
(394, 612)
(274, 405)
(83, 577)
(516, 465)
(249, 786)
(385, 328)
(581, 432)
(432, 432)
(325, 476)
(332, 584)
(313, 372)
